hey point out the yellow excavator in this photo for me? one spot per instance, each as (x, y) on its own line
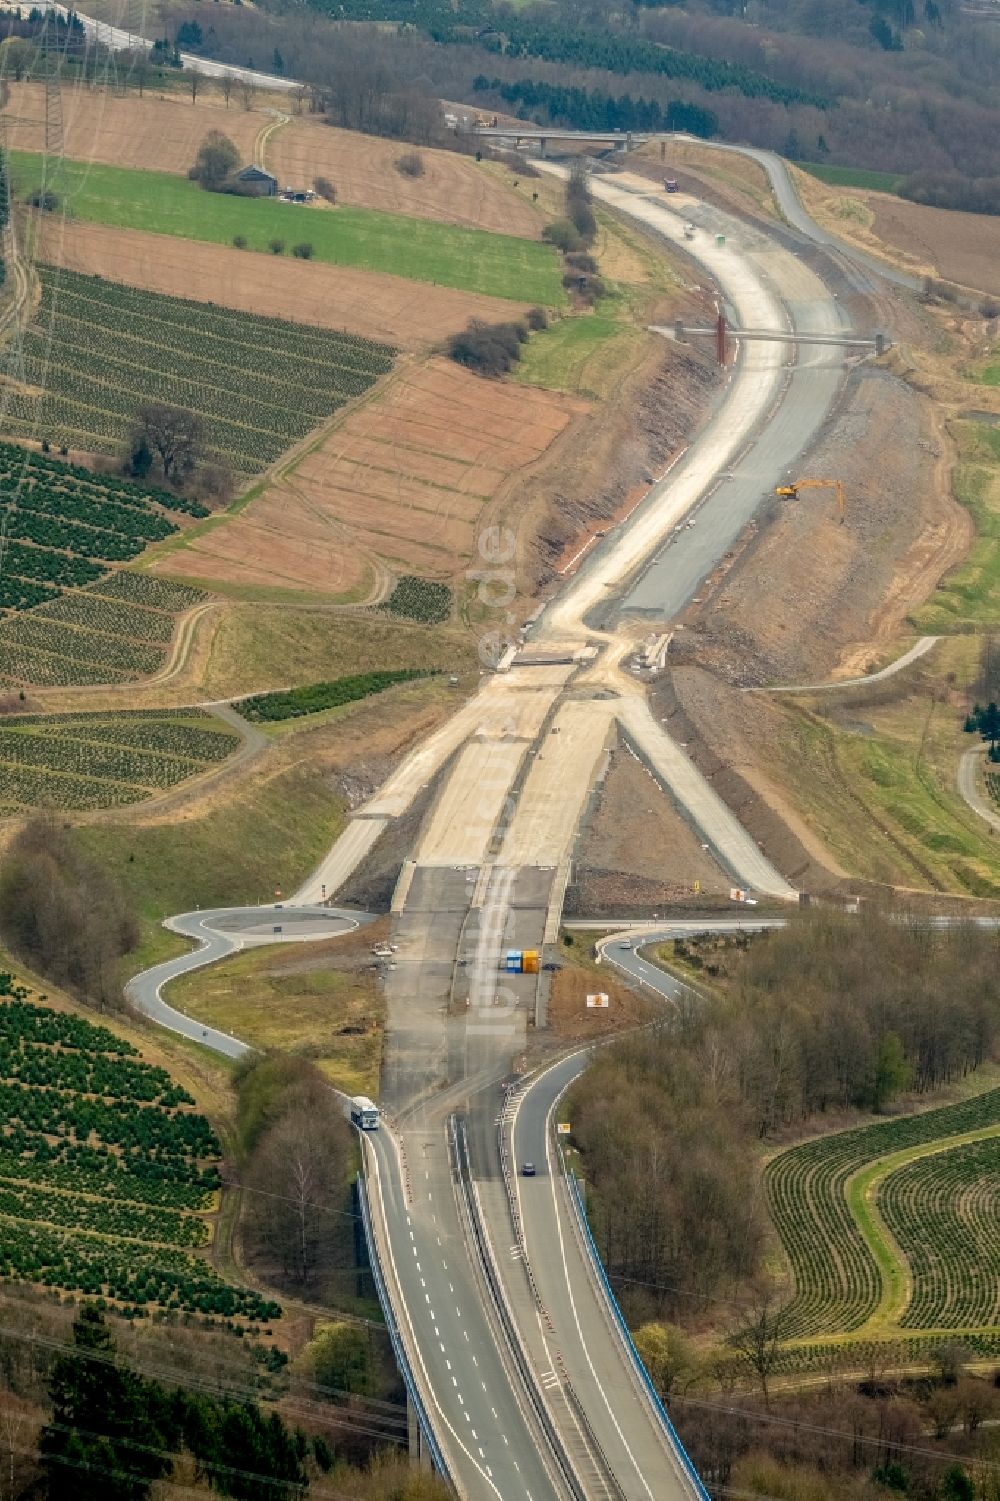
(791, 492)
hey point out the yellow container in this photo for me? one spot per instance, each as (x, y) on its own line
(529, 962)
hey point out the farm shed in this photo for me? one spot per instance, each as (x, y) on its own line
(258, 182)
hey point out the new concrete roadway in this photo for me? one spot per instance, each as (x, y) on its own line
(456, 1022)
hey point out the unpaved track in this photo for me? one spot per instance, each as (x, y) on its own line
(913, 654)
(968, 786)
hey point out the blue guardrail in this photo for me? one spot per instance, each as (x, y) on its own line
(623, 1329)
(394, 1336)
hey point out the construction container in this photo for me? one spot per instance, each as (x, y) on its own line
(513, 961)
(720, 240)
(529, 962)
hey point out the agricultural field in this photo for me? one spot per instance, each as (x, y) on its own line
(76, 761)
(404, 477)
(962, 247)
(419, 599)
(370, 304)
(419, 249)
(854, 177)
(113, 631)
(106, 1172)
(932, 1180)
(97, 349)
(99, 126)
(66, 527)
(164, 134)
(267, 708)
(453, 189)
(942, 1212)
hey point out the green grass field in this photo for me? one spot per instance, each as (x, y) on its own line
(968, 598)
(268, 838)
(586, 354)
(854, 177)
(884, 800)
(304, 1001)
(420, 249)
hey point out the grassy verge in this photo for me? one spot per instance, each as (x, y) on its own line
(266, 838)
(588, 353)
(259, 648)
(420, 249)
(968, 598)
(854, 177)
(299, 998)
(877, 782)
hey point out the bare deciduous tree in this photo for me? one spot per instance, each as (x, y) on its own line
(172, 434)
(758, 1335)
(297, 1174)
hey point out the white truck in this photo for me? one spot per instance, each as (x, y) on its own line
(364, 1113)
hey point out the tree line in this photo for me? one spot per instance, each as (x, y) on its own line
(833, 1013)
(64, 915)
(933, 108)
(615, 52)
(953, 190)
(589, 109)
(113, 1434)
(296, 1152)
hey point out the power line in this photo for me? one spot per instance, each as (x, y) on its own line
(881, 1441)
(392, 1414)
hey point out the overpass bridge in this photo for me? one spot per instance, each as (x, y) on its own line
(621, 140)
(722, 331)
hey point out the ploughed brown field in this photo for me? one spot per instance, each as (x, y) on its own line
(158, 133)
(455, 189)
(406, 314)
(963, 247)
(163, 134)
(404, 477)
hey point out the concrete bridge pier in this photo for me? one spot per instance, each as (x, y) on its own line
(420, 1458)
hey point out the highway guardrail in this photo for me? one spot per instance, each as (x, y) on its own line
(396, 1339)
(498, 1296)
(580, 1214)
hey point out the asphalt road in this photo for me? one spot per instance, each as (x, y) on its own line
(480, 1416)
(117, 39)
(583, 1344)
(791, 208)
(622, 949)
(223, 931)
